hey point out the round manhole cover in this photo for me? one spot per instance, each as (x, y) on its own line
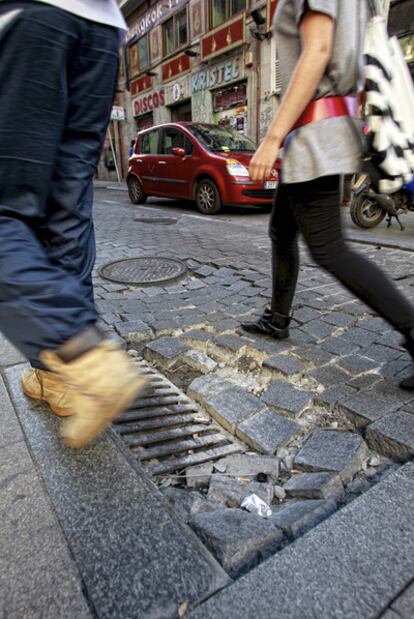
(144, 271)
(161, 221)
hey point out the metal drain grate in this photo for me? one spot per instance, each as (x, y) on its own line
(166, 431)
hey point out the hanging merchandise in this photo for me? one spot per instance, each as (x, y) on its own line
(389, 108)
(230, 108)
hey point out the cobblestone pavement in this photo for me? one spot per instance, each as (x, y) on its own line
(315, 427)
(324, 406)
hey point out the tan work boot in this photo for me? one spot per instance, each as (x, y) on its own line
(102, 383)
(47, 387)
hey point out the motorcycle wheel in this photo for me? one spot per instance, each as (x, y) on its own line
(364, 211)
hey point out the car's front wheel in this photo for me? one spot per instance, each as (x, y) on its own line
(135, 192)
(208, 197)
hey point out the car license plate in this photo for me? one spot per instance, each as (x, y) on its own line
(270, 185)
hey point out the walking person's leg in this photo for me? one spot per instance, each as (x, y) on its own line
(283, 232)
(46, 305)
(317, 211)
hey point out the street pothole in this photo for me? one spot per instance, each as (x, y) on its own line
(221, 476)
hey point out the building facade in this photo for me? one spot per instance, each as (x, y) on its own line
(200, 60)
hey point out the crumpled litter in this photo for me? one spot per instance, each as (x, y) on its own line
(255, 505)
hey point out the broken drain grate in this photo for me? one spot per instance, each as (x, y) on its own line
(144, 271)
(167, 433)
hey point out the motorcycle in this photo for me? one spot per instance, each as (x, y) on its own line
(369, 208)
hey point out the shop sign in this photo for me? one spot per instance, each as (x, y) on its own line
(117, 113)
(271, 8)
(175, 67)
(178, 90)
(140, 85)
(153, 17)
(217, 75)
(224, 38)
(148, 103)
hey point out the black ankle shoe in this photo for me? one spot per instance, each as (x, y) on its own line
(408, 383)
(270, 323)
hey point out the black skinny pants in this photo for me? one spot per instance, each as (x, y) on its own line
(312, 208)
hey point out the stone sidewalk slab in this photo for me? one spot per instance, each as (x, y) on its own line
(38, 577)
(332, 450)
(393, 436)
(339, 570)
(135, 557)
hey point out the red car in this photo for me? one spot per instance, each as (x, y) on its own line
(197, 161)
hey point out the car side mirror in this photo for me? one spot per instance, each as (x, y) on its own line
(178, 152)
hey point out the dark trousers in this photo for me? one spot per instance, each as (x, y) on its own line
(312, 208)
(57, 79)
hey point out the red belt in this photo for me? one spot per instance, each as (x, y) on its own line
(328, 107)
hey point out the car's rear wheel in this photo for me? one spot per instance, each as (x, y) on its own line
(135, 192)
(208, 197)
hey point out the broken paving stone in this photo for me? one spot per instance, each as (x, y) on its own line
(208, 385)
(245, 465)
(358, 364)
(232, 406)
(134, 332)
(313, 354)
(315, 486)
(267, 431)
(197, 337)
(330, 397)
(332, 450)
(285, 397)
(367, 406)
(284, 364)
(233, 344)
(298, 517)
(199, 476)
(199, 361)
(188, 503)
(329, 375)
(165, 350)
(225, 489)
(237, 539)
(393, 435)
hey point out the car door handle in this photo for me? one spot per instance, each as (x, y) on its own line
(139, 160)
(162, 163)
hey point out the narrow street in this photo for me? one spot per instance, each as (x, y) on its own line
(147, 522)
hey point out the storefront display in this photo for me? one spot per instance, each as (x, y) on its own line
(230, 107)
(145, 122)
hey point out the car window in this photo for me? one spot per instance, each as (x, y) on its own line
(221, 139)
(174, 138)
(149, 143)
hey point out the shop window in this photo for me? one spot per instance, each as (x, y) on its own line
(175, 32)
(230, 97)
(230, 108)
(149, 143)
(222, 10)
(143, 53)
(138, 56)
(174, 138)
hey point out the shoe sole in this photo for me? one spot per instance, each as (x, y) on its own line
(276, 336)
(77, 442)
(60, 412)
